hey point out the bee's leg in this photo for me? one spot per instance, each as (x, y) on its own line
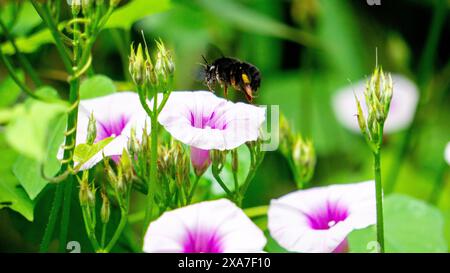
(248, 93)
(225, 90)
(208, 84)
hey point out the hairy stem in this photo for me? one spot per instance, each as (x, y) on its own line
(379, 199)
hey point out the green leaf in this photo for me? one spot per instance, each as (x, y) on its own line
(25, 20)
(28, 171)
(125, 16)
(84, 152)
(11, 194)
(96, 86)
(29, 44)
(28, 132)
(9, 91)
(411, 225)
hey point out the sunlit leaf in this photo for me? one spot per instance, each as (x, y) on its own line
(11, 194)
(9, 91)
(28, 171)
(84, 152)
(26, 19)
(411, 225)
(28, 130)
(125, 16)
(96, 86)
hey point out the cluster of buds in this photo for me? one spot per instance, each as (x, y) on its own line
(88, 6)
(87, 192)
(121, 177)
(378, 96)
(299, 152)
(144, 73)
(97, 11)
(173, 169)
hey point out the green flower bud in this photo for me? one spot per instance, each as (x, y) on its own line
(360, 115)
(137, 66)
(105, 210)
(86, 194)
(92, 130)
(75, 6)
(304, 158)
(86, 7)
(234, 161)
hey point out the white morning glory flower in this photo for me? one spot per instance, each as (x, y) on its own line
(319, 219)
(115, 115)
(206, 122)
(208, 227)
(401, 113)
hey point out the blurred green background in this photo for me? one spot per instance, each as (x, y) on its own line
(306, 50)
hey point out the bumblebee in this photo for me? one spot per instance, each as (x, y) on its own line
(228, 71)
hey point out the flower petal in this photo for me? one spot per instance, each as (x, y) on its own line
(105, 110)
(236, 231)
(290, 216)
(202, 120)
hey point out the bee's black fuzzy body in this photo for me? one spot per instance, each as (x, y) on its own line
(228, 71)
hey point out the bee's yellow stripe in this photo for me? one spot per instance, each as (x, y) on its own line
(245, 78)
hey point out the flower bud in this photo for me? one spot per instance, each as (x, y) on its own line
(92, 130)
(75, 6)
(137, 67)
(360, 116)
(164, 67)
(86, 7)
(200, 160)
(133, 143)
(86, 194)
(378, 96)
(234, 161)
(304, 158)
(218, 158)
(105, 210)
(286, 136)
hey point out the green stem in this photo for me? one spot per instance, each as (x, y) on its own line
(216, 174)
(49, 229)
(194, 186)
(256, 160)
(65, 217)
(16, 79)
(256, 211)
(90, 230)
(103, 238)
(379, 199)
(22, 59)
(152, 182)
(118, 232)
(46, 16)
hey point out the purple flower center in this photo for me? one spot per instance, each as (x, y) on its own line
(112, 127)
(327, 216)
(202, 241)
(214, 121)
